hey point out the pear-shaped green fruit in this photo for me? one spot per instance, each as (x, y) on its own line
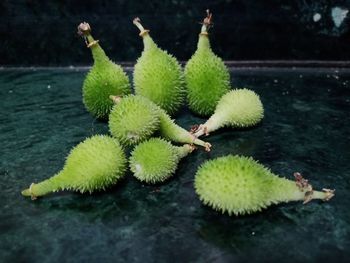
(206, 76)
(94, 164)
(158, 75)
(239, 185)
(156, 160)
(237, 108)
(104, 79)
(133, 119)
(171, 131)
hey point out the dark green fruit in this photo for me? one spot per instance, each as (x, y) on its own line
(104, 79)
(206, 76)
(158, 75)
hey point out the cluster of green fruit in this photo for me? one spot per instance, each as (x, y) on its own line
(233, 184)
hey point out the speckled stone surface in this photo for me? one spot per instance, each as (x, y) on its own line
(306, 129)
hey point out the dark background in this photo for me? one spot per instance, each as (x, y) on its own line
(43, 33)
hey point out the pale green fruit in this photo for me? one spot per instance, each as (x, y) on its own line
(93, 165)
(158, 75)
(239, 185)
(104, 79)
(133, 119)
(239, 108)
(156, 160)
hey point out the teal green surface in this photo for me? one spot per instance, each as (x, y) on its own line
(305, 129)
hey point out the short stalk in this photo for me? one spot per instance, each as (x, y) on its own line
(207, 23)
(115, 99)
(137, 23)
(185, 150)
(304, 191)
(43, 188)
(212, 124)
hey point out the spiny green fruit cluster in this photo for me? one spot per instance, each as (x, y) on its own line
(104, 79)
(238, 108)
(233, 184)
(158, 75)
(133, 119)
(156, 160)
(93, 165)
(207, 78)
(239, 185)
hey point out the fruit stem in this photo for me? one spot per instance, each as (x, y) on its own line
(206, 128)
(115, 99)
(137, 22)
(307, 193)
(42, 188)
(206, 145)
(201, 130)
(84, 30)
(215, 122)
(185, 150)
(207, 23)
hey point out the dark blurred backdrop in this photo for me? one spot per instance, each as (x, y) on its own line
(34, 32)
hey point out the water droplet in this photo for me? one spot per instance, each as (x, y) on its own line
(317, 17)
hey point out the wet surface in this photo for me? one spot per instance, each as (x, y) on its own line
(305, 129)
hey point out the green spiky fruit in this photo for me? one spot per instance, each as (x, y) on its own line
(104, 79)
(239, 185)
(133, 119)
(237, 108)
(156, 160)
(93, 165)
(158, 75)
(171, 131)
(206, 76)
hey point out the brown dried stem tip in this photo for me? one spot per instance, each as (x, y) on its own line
(137, 23)
(329, 193)
(194, 128)
(84, 29)
(304, 186)
(207, 23)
